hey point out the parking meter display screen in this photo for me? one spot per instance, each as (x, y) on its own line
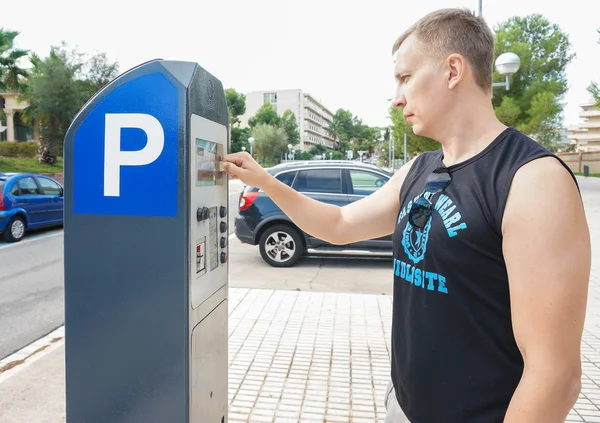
(208, 155)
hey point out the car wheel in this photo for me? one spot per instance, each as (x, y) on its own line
(15, 230)
(281, 246)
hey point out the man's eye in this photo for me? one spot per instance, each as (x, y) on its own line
(404, 78)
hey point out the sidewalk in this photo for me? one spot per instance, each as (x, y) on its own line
(293, 355)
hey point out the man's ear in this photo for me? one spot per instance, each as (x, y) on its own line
(455, 69)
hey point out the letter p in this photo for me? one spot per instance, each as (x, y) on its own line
(114, 157)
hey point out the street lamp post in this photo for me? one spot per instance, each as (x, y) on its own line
(507, 64)
(251, 141)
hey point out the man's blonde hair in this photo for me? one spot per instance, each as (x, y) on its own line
(449, 31)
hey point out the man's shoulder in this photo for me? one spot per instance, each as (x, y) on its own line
(518, 139)
(543, 171)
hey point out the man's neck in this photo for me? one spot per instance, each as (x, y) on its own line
(469, 133)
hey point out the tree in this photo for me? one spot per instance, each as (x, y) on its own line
(335, 129)
(352, 133)
(56, 89)
(594, 88)
(290, 125)
(533, 104)
(318, 149)
(343, 124)
(239, 138)
(270, 143)
(236, 103)
(95, 73)
(11, 75)
(414, 143)
(266, 114)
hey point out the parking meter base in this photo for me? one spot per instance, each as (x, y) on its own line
(146, 270)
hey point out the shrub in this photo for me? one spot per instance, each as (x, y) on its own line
(18, 149)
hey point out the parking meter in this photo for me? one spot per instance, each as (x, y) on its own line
(145, 250)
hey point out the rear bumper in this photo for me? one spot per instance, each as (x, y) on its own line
(243, 231)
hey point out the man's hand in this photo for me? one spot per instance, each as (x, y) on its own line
(242, 166)
(547, 251)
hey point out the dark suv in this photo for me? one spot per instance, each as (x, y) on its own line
(261, 222)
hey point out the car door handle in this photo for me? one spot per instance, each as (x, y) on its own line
(24, 201)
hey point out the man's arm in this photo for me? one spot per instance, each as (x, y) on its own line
(547, 253)
(371, 217)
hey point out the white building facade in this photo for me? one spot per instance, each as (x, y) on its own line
(587, 133)
(313, 117)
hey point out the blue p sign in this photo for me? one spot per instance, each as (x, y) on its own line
(125, 151)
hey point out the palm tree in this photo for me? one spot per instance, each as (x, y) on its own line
(335, 128)
(11, 75)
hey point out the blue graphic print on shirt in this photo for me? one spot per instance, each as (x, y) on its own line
(414, 242)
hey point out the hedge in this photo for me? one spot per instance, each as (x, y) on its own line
(18, 149)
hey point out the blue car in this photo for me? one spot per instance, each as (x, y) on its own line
(28, 201)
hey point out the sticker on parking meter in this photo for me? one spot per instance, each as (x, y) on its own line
(125, 151)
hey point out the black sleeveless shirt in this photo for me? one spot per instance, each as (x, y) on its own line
(454, 355)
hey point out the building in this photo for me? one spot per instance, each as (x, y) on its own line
(313, 117)
(12, 127)
(586, 134)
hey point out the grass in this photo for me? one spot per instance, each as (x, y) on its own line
(29, 165)
(595, 175)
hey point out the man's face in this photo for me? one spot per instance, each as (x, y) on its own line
(421, 88)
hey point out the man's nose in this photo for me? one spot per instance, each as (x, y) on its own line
(399, 101)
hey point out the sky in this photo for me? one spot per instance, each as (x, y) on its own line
(338, 51)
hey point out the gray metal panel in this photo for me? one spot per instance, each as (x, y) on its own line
(207, 98)
(126, 300)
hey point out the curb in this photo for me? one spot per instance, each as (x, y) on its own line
(16, 362)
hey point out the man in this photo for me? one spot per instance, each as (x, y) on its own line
(491, 244)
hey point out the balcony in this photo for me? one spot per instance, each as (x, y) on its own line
(316, 141)
(586, 136)
(311, 105)
(314, 131)
(592, 112)
(310, 116)
(589, 124)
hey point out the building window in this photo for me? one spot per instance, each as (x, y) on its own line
(270, 98)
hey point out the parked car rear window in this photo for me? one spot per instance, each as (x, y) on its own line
(286, 177)
(320, 180)
(365, 183)
(49, 187)
(2, 182)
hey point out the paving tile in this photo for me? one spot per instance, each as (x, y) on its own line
(303, 357)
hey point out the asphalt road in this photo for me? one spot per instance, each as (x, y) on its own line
(32, 284)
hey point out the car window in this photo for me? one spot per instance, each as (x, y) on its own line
(2, 182)
(49, 187)
(320, 180)
(286, 177)
(365, 183)
(28, 186)
(14, 190)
